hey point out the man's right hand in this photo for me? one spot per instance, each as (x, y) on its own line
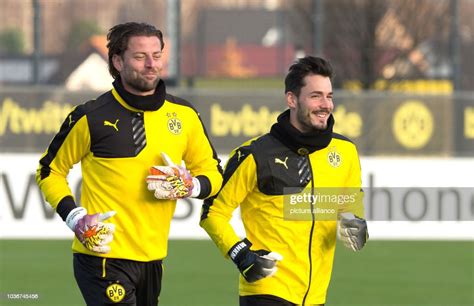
(253, 265)
(90, 230)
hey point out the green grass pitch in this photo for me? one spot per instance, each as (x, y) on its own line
(385, 273)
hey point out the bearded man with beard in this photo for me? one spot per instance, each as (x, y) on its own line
(131, 142)
(287, 256)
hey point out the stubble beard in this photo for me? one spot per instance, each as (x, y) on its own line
(304, 118)
(138, 83)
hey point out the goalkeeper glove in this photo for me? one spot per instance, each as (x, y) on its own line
(253, 265)
(172, 181)
(352, 231)
(90, 230)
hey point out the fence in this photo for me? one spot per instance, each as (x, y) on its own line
(390, 124)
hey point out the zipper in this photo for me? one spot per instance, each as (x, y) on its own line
(311, 232)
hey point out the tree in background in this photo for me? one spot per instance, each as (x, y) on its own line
(350, 38)
(389, 40)
(370, 40)
(80, 32)
(12, 41)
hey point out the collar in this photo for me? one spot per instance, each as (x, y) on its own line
(145, 103)
(298, 142)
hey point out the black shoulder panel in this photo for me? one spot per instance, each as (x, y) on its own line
(115, 131)
(180, 101)
(279, 170)
(341, 137)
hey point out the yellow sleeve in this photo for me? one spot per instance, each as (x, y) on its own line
(67, 148)
(355, 183)
(239, 179)
(201, 158)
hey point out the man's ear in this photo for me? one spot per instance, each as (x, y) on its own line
(118, 62)
(291, 99)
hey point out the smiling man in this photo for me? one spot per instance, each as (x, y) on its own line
(130, 142)
(287, 257)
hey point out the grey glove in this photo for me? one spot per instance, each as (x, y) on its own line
(352, 231)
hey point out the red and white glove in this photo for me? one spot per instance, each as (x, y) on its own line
(172, 182)
(90, 230)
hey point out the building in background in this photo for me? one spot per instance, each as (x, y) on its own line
(398, 45)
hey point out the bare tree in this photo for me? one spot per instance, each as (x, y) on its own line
(367, 40)
(351, 38)
(426, 24)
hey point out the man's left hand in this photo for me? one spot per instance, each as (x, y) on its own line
(352, 231)
(170, 182)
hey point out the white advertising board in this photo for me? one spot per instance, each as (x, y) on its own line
(436, 183)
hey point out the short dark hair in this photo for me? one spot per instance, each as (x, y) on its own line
(304, 66)
(119, 36)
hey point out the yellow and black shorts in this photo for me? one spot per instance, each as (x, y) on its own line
(109, 281)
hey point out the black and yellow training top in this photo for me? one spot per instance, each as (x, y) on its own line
(271, 178)
(117, 138)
